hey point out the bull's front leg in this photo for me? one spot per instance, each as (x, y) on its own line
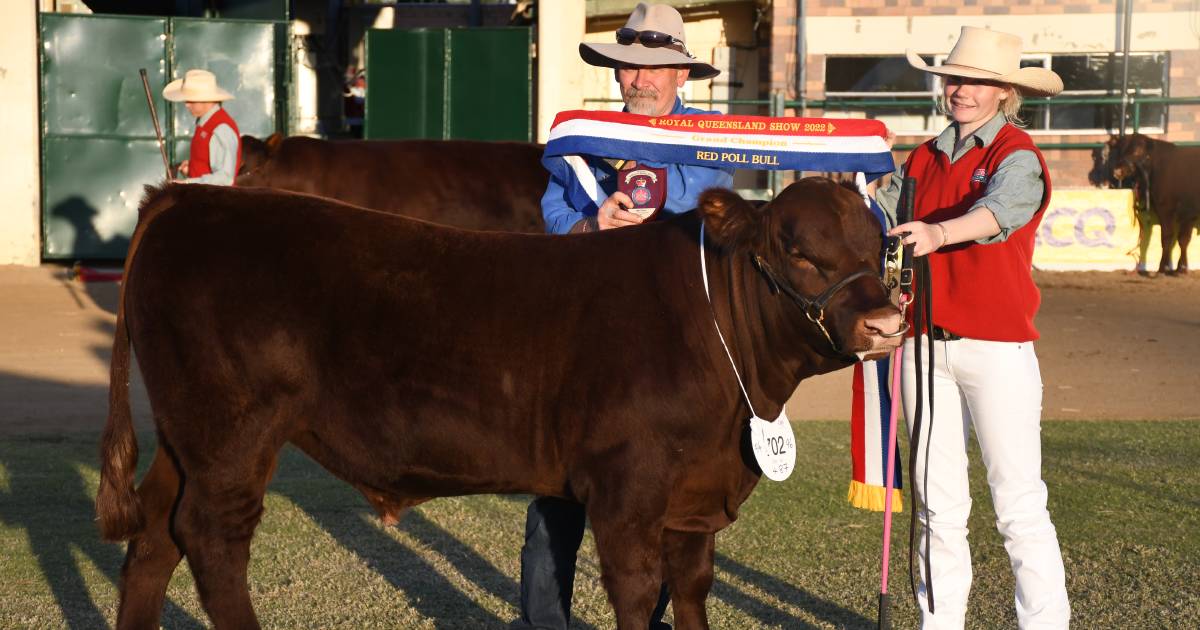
(689, 557)
(627, 510)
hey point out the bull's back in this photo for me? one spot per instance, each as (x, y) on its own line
(495, 186)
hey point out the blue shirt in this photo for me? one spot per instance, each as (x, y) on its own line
(684, 185)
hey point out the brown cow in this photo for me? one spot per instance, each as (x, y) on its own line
(1174, 188)
(417, 361)
(494, 186)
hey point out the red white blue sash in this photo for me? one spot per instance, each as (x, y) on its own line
(752, 142)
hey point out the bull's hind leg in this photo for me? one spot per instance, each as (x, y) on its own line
(1185, 240)
(221, 506)
(689, 557)
(1169, 237)
(152, 555)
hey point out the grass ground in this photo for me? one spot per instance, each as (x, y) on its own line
(1125, 497)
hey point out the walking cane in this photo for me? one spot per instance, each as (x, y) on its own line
(162, 148)
(904, 214)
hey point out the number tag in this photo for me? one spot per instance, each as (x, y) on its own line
(774, 446)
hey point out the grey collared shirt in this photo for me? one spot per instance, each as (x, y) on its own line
(222, 154)
(1013, 194)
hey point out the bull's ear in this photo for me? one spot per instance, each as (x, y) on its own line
(273, 142)
(729, 219)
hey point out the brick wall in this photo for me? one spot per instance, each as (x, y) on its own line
(1068, 167)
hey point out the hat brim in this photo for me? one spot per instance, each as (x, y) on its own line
(174, 92)
(635, 54)
(1028, 81)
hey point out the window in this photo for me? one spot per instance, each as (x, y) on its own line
(880, 79)
(1090, 75)
(850, 79)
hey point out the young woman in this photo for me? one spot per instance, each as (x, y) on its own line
(982, 189)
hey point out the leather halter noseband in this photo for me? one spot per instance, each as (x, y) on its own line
(814, 309)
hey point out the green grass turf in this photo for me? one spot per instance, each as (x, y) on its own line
(1125, 497)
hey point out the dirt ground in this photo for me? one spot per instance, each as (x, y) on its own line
(1114, 346)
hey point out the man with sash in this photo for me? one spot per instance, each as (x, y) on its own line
(216, 152)
(599, 192)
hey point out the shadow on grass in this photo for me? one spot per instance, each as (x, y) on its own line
(52, 504)
(824, 610)
(431, 594)
(764, 612)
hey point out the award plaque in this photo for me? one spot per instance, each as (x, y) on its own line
(647, 187)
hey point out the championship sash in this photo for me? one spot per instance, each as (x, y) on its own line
(870, 410)
(752, 142)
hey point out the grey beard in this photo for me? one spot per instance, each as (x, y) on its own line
(641, 102)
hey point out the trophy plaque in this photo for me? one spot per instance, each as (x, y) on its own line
(647, 187)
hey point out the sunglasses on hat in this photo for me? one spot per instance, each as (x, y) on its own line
(649, 39)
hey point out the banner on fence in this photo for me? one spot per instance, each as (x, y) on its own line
(1094, 229)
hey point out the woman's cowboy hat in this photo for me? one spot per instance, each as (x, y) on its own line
(658, 18)
(196, 86)
(984, 54)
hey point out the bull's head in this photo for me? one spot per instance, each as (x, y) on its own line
(815, 245)
(1128, 155)
(257, 152)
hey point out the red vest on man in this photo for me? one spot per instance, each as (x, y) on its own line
(979, 291)
(198, 160)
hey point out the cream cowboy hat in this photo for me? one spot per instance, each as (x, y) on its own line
(196, 86)
(985, 54)
(653, 36)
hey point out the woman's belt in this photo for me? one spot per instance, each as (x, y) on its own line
(941, 334)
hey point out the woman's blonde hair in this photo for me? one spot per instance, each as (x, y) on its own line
(1010, 106)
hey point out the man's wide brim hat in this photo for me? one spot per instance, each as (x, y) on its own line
(994, 56)
(655, 17)
(196, 86)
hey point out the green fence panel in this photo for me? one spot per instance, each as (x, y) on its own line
(98, 146)
(406, 83)
(242, 55)
(91, 190)
(90, 81)
(472, 84)
(490, 84)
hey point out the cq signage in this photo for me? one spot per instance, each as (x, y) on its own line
(1090, 228)
(1066, 226)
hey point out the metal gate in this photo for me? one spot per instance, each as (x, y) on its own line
(468, 83)
(98, 145)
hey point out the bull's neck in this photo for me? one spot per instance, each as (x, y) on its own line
(765, 333)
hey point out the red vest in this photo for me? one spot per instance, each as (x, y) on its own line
(198, 163)
(979, 291)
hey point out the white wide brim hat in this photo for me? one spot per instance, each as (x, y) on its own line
(657, 17)
(994, 56)
(196, 86)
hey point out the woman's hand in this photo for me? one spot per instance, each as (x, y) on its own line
(924, 237)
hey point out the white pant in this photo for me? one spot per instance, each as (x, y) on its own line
(996, 387)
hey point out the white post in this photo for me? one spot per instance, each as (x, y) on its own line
(561, 26)
(20, 168)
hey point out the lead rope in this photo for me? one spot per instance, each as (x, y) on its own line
(704, 276)
(922, 319)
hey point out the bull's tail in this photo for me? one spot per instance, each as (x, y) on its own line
(118, 507)
(117, 504)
